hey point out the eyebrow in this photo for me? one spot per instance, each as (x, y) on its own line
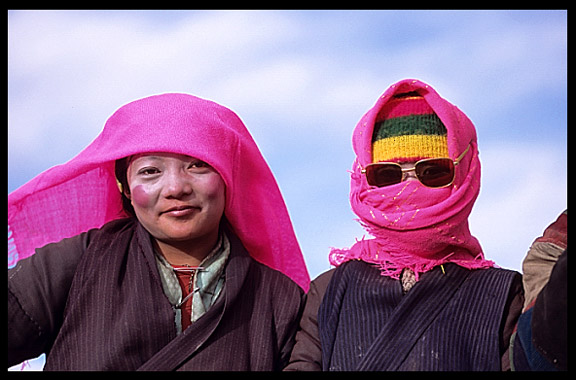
(155, 158)
(159, 158)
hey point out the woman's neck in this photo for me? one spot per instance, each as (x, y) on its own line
(189, 252)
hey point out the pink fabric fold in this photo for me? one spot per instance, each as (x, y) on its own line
(82, 194)
(414, 226)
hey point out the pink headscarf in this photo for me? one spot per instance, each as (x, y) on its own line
(415, 226)
(82, 194)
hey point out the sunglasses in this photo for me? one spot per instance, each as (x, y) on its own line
(431, 172)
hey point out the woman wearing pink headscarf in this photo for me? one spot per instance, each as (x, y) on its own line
(419, 295)
(163, 245)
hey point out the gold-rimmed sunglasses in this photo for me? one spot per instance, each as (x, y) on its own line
(431, 172)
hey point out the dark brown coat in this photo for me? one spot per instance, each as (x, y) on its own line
(95, 302)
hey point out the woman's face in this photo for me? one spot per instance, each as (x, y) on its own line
(177, 198)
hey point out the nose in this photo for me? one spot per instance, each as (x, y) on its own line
(177, 185)
(408, 172)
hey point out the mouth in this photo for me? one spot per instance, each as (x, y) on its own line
(179, 211)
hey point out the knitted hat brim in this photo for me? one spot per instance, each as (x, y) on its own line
(409, 148)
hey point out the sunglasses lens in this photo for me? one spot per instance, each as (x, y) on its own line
(383, 174)
(435, 173)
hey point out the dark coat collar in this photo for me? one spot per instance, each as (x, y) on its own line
(191, 340)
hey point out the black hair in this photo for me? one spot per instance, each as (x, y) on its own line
(121, 171)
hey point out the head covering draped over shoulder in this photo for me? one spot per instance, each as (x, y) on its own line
(414, 226)
(83, 194)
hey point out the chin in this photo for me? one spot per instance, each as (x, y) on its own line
(177, 236)
(182, 232)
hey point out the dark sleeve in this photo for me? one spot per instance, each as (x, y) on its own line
(37, 292)
(550, 316)
(307, 352)
(290, 328)
(512, 312)
(541, 339)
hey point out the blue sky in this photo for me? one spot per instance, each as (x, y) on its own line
(301, 80)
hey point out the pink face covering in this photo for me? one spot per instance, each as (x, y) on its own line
(82, 194)
(415, 226)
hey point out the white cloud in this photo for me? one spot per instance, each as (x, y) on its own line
(487, 58)
(88, 63)
(71, 70)
(311, 76)
(524, 189)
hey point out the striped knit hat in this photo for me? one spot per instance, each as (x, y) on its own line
(407, 129)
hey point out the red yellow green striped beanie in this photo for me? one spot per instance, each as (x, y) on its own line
(407, 130)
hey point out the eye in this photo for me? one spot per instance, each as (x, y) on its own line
(433, 171)
(148, 171)
(199, 165)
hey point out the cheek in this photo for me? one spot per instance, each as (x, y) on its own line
(141, 197)
(215, 190)
(217, 186)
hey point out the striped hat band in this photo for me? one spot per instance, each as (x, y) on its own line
(407, 129)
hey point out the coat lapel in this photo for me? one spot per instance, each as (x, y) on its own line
(180, 349)
(417, 310)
